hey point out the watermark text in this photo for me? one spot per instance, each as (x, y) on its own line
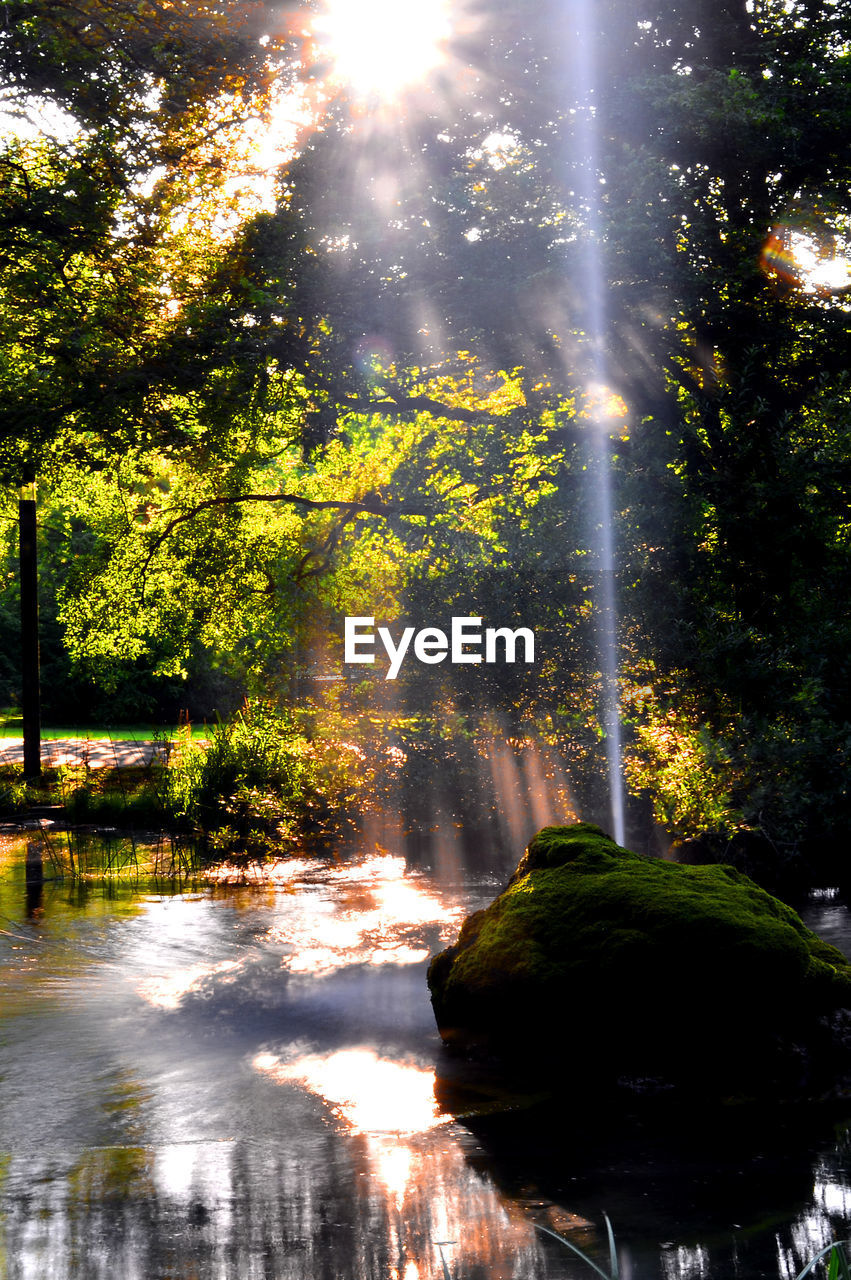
(465, 643)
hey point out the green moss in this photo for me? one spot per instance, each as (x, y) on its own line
(554, 846)
(611, 946)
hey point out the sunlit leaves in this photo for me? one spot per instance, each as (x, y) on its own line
(122, 279)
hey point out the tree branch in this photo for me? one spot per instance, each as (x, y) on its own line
(373, 507)
(411, 404)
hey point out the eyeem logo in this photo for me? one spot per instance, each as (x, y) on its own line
(433, 645)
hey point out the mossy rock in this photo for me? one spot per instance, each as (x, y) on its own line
(596, 958)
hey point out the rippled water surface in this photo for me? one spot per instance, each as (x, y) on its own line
(240, 1082)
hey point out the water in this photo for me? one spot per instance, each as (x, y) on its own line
(240, 1082)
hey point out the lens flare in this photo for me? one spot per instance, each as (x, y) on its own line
(605, 409)
(380, 47)
(808, 257)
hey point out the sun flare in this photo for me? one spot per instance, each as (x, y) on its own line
(378, 48)
(809, 257)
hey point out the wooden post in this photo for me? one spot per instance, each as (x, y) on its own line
(30, 679)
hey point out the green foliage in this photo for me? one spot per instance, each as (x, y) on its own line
(247, 424)
(15, 794)
(248, 791)
(114, 288)
(838, 1268)
(689, 772)
(836, 1256)
(129, 798)
(738, 676)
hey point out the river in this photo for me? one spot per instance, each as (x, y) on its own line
(209, 1081)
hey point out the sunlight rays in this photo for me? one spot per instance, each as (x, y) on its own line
(378, 48)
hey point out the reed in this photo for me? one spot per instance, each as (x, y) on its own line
(614, 1270)
(835, 1257)
(832, 1261)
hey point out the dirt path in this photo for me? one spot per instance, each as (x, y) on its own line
(99, 753)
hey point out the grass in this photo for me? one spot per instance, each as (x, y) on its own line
(129, 797)
(11, 726)
(251, 789)
(254, 788)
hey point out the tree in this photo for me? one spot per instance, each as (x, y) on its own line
(661, 145)
(711, 127)
(116, 285)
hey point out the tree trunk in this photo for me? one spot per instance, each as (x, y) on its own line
(30, 692)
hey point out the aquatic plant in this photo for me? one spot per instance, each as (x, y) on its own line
(614, 1270)
(836, 1254)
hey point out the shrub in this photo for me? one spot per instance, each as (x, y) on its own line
(250, 788)
(14, 792)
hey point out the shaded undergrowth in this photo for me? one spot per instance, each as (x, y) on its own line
(254, 786)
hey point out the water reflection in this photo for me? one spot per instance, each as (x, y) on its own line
(371, 1094)
(824, 1221)
(374, 914)
(683, 1263)
(210, 1209)
(240, 1082)
(168, 989)
(429, 1191)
